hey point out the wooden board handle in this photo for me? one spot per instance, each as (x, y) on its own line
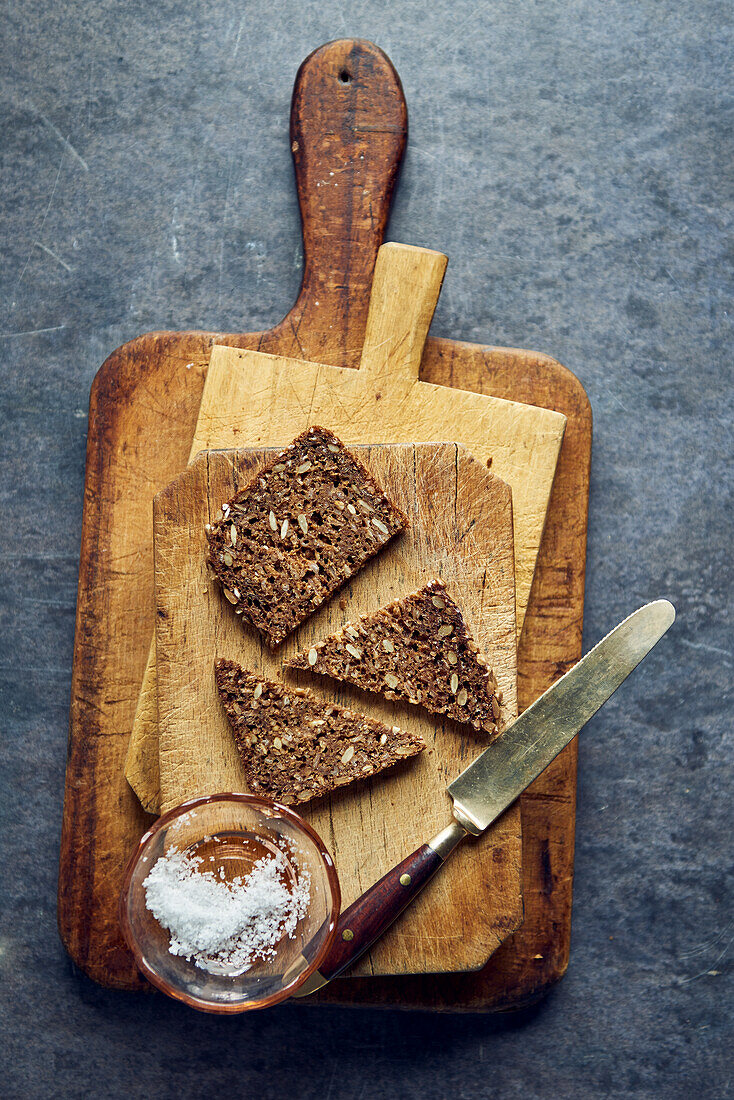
(349, 126)
(405, 290)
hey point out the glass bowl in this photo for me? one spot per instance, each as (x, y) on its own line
(228, 833)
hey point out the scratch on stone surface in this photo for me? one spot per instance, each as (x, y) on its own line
(331, 1081)
(53, 256)
(237, 39)
(708, 945)
(219, 281)
(230, 167)
(617, 401)
(480, 9)
(60, 669)
(702, 949)
(709, 968)
(45, 215)
(19, 559)
(175, 226)
(31, 332)
(64, 141)
(707, 648)
(89, 94)
(423, 152)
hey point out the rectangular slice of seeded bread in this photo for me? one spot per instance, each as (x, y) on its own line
(418, 648)
(293, 747)
(302, 528)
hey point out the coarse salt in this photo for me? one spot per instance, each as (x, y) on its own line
(225, 926)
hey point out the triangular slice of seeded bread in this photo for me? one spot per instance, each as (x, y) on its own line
(293, 747)
(298, 532)
(418, 648)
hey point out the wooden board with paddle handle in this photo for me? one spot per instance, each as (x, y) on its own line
(144, 408)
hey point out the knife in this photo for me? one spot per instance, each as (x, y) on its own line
(496, 778)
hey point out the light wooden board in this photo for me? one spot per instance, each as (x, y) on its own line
(461, 531)
(251, 398)
(254, 399)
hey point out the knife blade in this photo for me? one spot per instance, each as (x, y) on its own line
(493, 781)
(499, 775)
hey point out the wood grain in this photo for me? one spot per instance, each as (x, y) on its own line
(461, 532)
(252, 398)
(143, 411)
(255, 399)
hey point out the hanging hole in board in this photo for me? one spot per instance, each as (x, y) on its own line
(345, 76)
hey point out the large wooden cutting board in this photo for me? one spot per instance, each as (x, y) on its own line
(461, 532)
(143, 412)
(257, 399)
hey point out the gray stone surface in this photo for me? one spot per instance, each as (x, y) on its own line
(574, 161)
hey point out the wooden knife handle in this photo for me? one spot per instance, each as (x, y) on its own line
(349, 126)
(371, 914)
